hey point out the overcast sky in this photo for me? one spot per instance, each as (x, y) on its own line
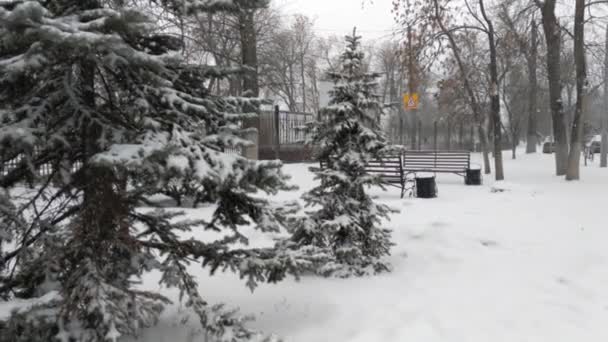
(373, 19)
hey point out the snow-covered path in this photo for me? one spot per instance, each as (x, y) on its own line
(526, 264)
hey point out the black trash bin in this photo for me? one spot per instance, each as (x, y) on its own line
(426, 187)
(473, 176)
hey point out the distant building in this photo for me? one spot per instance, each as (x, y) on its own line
(324, 88)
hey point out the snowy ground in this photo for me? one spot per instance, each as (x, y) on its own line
(526, 264)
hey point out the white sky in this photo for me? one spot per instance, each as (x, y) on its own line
(372, 18)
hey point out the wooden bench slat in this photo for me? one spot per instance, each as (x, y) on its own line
(435, 152)
(436, 155)
(438, 161)
(435, 158)
(430, 162)
(429, 169)
(437, 164)
(383, 170)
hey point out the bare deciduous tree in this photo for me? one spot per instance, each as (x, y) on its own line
(522, 26)
(604, 112)
(289, 67)
(552, 32)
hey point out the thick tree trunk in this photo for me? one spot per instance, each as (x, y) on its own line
(494, 97)
(483, 142)
(604, 115)
(101, 232)
(250, 76)
(553, 40)
(532, 138)
(576, 141)
(249, 52)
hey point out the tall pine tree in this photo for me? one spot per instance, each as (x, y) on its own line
(346, 219)
(92, 92)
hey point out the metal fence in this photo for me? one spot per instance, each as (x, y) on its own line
(276, 128)
(289, 127)
(42, 170)
(292, 127)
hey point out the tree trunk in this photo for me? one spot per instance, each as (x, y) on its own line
(472, 139)
(249, 52)
(435, 135)
(494, 97)
(315, 89)
(461, 136)
(448, 144)
(483, 142)
(490, 133)
(103, 219)
(553, 40)
(514, 148)
(292, 91)
(604, 148)
(412, 84)
(303, 75)
(402, 141)
(604, 115)
(419, 135)
(576, 141)
(532, 139)
(250, 76)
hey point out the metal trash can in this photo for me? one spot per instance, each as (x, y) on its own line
(473, 176)
(426, 187)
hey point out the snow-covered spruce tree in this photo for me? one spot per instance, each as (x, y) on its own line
(346, 219)
(92, 92)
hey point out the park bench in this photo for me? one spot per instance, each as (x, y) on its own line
(395, 169)
(389, 168)
(456, 162)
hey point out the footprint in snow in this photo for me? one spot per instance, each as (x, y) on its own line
(488, 243)
(417, 236)
(439, 224)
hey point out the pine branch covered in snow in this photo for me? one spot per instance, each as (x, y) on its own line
(195, 6)
(345, 219)
(98, 97)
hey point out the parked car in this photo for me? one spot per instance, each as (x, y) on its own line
(594, 144)
(595, 147)
(549, 147)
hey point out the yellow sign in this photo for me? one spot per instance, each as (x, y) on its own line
(410, 101)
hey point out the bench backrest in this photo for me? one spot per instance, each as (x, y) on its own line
(436, 161)
(389, 168)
